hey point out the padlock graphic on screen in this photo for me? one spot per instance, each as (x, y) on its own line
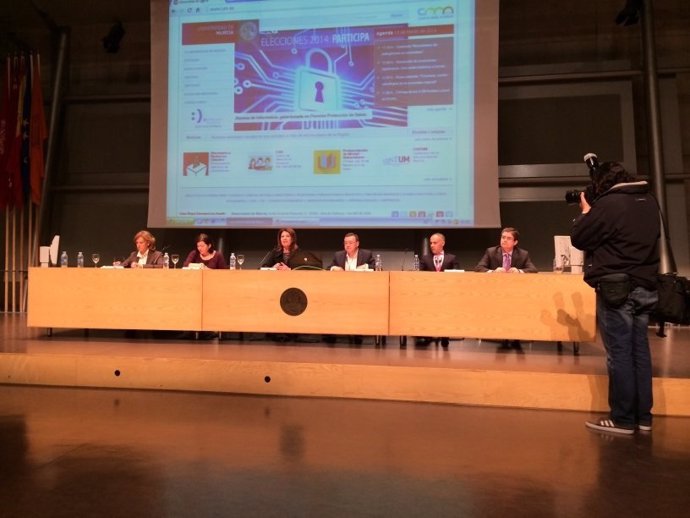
(316, 89)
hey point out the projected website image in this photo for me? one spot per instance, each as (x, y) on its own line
(288, 112)
(303, 79)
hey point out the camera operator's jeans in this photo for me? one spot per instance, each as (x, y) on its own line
(629, 363)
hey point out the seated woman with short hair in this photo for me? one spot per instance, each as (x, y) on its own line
(145, 255)
(206, 255)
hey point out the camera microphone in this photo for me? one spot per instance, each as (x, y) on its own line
(573, 197)
(592, 162)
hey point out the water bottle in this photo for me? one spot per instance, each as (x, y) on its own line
(378, 266)
(166, 260)
(80, 260)
(415, 263)
(233, 261)
(63, 260)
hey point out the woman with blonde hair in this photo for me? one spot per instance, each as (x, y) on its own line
(146, 254)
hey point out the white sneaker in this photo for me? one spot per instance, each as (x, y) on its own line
(607, 425)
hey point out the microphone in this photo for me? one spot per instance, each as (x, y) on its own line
(261, 263)
(592, 161)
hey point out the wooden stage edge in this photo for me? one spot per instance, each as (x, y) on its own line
(475, 387)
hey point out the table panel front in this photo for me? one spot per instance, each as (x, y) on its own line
(543, 306)
(102, 298)
(334, 302)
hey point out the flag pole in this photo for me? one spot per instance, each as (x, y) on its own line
(55, 106)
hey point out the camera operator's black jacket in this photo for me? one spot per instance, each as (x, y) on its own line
(620, 235)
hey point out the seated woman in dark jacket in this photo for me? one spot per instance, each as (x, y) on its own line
(279, 257)
(145, 255)
(206, 254)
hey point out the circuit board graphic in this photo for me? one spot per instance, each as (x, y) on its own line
(310, 79)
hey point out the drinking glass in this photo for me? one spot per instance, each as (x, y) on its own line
(95, 258)
(240, 260)
(175, 259)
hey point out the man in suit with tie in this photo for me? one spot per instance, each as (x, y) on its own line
(507, 257)
(437, 261)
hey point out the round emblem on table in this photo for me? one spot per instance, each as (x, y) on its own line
(293, 301)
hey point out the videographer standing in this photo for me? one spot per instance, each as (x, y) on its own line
(619, 230)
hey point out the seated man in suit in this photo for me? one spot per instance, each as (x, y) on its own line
(352, 257)
(507, 257)
(437, 261)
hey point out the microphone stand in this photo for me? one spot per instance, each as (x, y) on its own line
(263, 259)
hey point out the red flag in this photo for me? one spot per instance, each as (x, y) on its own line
(24, 168)
(6, 122)
(12, 166)
(38, 134)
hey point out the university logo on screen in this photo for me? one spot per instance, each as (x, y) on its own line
(327, 161)
(397, 160)
(436, 12)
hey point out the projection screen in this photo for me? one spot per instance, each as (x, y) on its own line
(273, 113)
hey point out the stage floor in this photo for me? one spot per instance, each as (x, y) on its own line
(670, 355)
(470, 372)
(174, 451)
(122, 453)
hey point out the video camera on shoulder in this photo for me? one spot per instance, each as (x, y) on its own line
(572, 197)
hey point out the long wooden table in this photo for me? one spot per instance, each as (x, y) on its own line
(529, 307)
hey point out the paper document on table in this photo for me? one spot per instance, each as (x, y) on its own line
(54, 246)
(562, 247)
(577, 260)
(44, 255)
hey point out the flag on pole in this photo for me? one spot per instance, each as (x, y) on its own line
(12, 166)
(6, 122)
(39, 133)
(25, 134)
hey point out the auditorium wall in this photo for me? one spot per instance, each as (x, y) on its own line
(547, 50)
